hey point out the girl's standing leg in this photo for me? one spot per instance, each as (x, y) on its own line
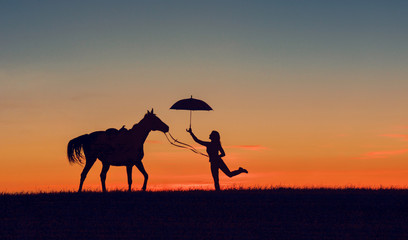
(214, 172)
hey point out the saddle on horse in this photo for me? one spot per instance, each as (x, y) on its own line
(116, 139)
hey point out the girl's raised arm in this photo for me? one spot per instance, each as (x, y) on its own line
(196, 139)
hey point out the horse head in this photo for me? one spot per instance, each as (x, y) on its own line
(155, 123)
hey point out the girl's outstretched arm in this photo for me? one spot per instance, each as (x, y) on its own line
(196, 139)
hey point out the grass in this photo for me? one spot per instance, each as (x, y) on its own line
(273, 213)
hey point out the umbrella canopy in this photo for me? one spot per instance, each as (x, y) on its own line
(191, 104)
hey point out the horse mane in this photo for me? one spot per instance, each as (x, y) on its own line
(136, 126)
(141, 124)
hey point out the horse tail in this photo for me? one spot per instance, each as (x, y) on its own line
(75, 147)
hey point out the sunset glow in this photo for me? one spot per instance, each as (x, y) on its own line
(305, 93)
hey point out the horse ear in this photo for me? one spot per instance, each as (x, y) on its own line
(151, 111)
(148, 112)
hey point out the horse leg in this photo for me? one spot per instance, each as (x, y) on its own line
(89, 163)
(140, 166)
(105, 168)
(129, 175)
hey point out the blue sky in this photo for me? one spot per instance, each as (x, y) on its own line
(261, 33)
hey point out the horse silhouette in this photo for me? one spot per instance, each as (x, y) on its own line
(115, 147)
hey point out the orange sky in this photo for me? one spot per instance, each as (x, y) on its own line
(305, 94)
(279, 155)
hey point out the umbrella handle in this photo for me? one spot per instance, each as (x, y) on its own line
(190, 119)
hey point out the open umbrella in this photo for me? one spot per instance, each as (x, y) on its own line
(191, 104)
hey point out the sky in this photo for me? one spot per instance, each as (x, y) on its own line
(305, 93)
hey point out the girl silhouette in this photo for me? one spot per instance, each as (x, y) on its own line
(213, 148)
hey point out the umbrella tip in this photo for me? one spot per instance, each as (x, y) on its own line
(191, 96)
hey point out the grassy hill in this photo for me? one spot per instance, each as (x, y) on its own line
(232, 214)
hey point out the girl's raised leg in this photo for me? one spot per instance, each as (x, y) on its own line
(227, 172)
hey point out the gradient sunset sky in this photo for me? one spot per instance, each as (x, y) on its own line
(305, 93)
